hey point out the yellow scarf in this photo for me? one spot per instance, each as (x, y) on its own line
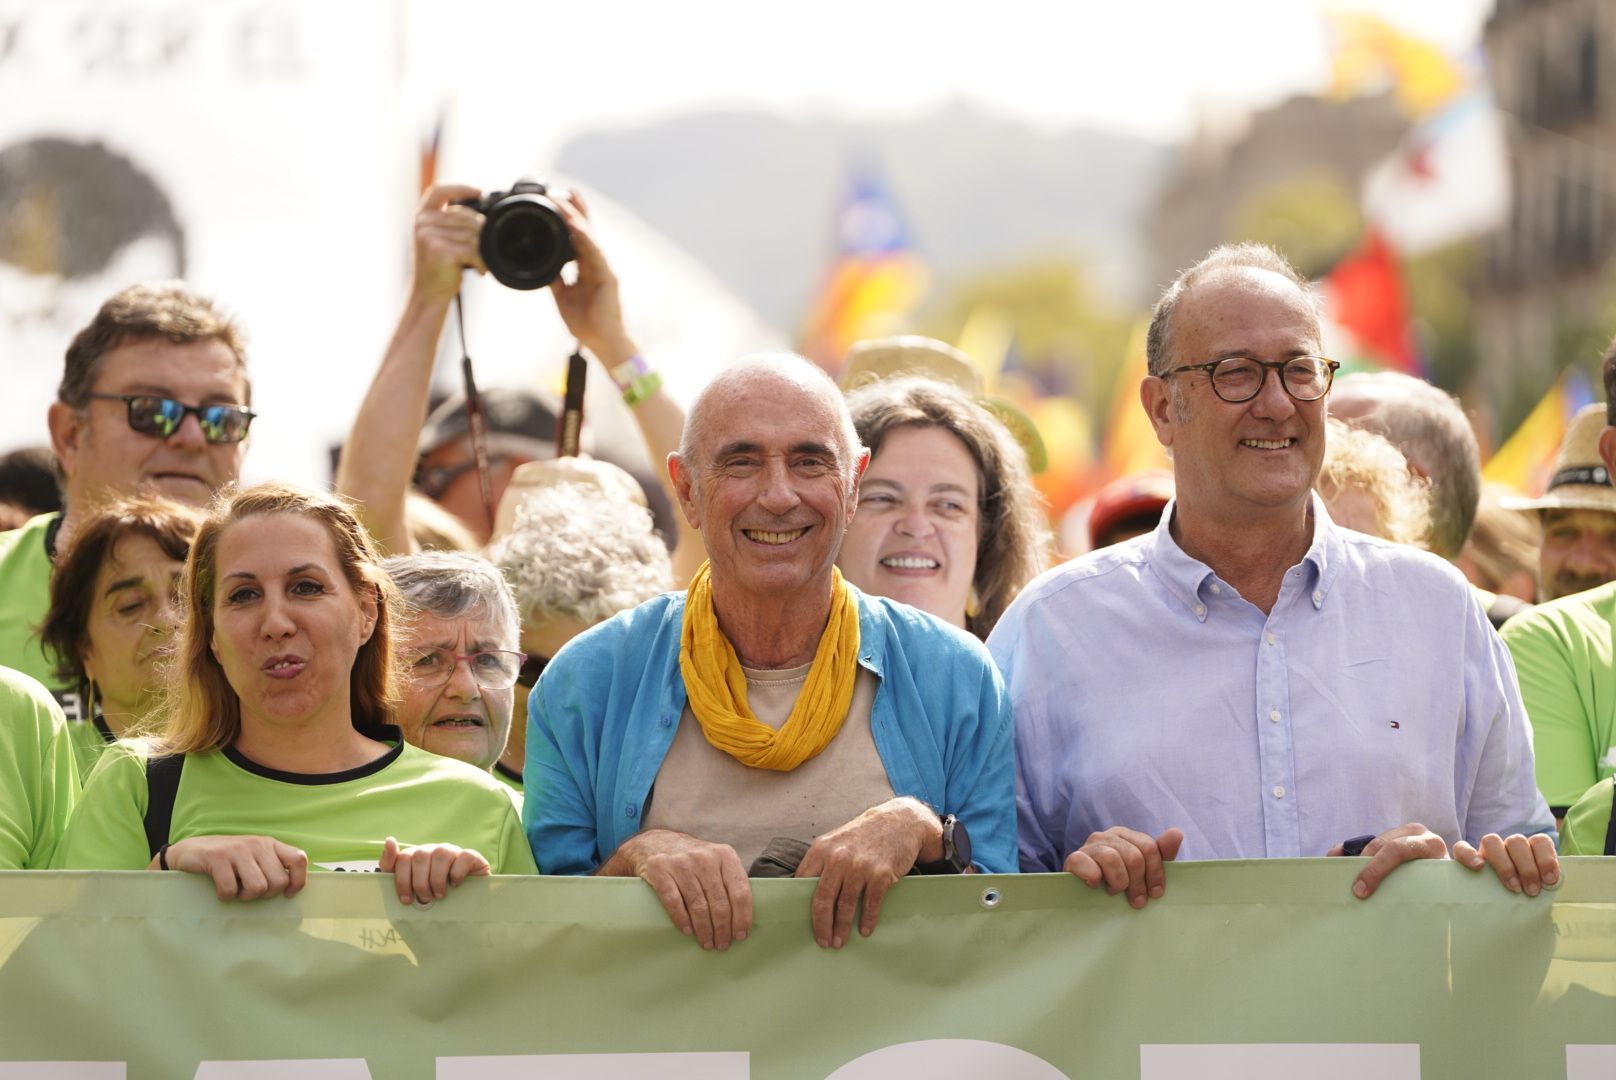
(717, 685)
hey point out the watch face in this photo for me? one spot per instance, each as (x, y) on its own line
(961, 843)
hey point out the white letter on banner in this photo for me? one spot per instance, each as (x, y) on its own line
(724, 1066)
(948, 1059)
(63, 1070)
(313, 1069)
(1279, 1061)
(1588, 1061)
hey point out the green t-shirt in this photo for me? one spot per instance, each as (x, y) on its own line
(90, 741)
(1565, 658)
(339, 819)
(25, 571)
(39, 777)
(1587, 823)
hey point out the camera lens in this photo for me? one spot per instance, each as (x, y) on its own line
(524, 242)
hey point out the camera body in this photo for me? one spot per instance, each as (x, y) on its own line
(524, 240)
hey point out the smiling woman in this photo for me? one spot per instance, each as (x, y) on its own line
(282, 719)
(947, 518)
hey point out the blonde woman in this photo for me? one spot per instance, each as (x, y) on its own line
(277, 752)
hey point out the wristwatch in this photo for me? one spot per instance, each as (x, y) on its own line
(956, 850)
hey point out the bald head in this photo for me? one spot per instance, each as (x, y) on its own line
(1428, 425)
(1261, 267)
(767, 373)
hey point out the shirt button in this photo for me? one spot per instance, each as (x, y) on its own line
(666, 721)
(631, 811)
(1272, 640)
(1273, 714)
(1200, 609)
(1318, 597)
(1215, 589)
(1279, 792)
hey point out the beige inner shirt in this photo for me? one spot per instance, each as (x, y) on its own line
(704, 792)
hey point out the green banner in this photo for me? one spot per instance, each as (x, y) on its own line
(1262, 969)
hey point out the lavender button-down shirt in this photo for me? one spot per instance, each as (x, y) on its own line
(1148, 693)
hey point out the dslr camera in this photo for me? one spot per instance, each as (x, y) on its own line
(524, 241)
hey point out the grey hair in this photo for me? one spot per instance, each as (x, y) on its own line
(573, 552)
(1225, 257)
(1430, 427)
(455, 584)
(735, 380)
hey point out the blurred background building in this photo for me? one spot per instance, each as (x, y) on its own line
(1547, 296)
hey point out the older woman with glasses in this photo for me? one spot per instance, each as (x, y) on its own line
(459, 657)
(278, 750)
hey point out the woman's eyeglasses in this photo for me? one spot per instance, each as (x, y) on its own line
(495, 669)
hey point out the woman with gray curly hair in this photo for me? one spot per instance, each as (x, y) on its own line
(948, 519)
(577, 553)
(459, 656)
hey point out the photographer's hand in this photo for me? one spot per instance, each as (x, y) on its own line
(446, 238)
(590, 306)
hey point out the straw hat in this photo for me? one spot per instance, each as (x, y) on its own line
(1580, 481)
(615, 485)
(913, 355)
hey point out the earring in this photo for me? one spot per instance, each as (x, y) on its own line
(973, 604)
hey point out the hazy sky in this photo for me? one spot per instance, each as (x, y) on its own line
(1150, 68)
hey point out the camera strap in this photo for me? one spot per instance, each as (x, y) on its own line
(572, 405)
(476, 418)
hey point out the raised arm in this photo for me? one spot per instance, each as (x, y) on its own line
(591, 308)
(378, 459)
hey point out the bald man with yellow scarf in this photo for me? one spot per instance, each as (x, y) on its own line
(772, 712)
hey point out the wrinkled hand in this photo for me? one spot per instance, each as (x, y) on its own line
(446, 238)
(862, 859)
(590, 306)
(1390, 850)
(702, 886)
(426, 873)
(242, 867)
(1125, 860)
(1526, 864)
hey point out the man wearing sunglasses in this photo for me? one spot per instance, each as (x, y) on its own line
(154, 398)
(1249, 680)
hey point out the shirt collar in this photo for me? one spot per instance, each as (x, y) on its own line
(1187, 578)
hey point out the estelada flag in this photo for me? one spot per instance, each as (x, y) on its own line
(875, 281)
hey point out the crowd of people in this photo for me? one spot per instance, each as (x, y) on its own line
(843, 655)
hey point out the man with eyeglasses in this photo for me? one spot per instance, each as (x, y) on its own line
(154, 398)
(1249, 680)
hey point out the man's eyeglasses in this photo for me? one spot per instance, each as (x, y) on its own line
(495, 669)
(1240, 378)
(161, 417)
(433, 482)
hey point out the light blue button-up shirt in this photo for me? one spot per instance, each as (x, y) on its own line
(607, 707)
(1148, 693)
